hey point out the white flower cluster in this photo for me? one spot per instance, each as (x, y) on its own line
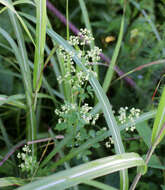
(109, 143)
(76, 77)
(83, 111)
(74, 40)
(27, 161)
(93, 54)
(85, 36)
(123, 116)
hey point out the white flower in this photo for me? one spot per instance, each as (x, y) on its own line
(85, 36)
(74, 40)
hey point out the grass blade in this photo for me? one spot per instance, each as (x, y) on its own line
(17, 3)
(90, 170)
(5, 135)
(109, 74)
(160, 119)
(11, 181)
(99, 185)
(21, 55)
(40, 43)
(59, 146)
(13, 100)
(11, 8)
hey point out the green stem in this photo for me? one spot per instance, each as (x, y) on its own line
(67, 19)
(148, 156)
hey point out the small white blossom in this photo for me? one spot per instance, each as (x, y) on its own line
(94, 54)
(74, 40)
(109, 143)
(123, 116)
(85, 36)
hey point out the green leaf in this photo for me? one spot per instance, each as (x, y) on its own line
(11, 181)
(99, 185)
(40, 44)
(13, 100)
(145, 132)
(159, 120)
(90, 170)
(11, 8)
(22, 58)
(109, 74)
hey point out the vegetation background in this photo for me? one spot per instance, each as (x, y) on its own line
(143, 43)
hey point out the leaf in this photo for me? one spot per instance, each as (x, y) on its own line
(159, 120)
(90, 170)
(11, 8)
(13, 100)
(11, 181)
(99, 185)
(40, 44)
(145, 132)
(109, 74)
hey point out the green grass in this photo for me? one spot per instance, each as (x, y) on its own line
(30, 92)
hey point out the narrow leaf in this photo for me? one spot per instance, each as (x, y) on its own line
(159, 120)
(90, 170)
(40, 44)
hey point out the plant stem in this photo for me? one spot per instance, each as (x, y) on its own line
(148, 156)
(75, 30)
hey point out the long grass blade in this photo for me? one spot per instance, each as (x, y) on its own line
(11, 8)
(13, 100)
(17, 3)
(159, 120)
(90, 170)
(40, 43)
(11, 181)
(21, 55)
(109, 74)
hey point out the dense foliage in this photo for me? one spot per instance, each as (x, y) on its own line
(67, 111)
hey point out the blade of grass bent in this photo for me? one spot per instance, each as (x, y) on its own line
(13, 101)
(40, 43)
(11, 181)
(26, 75)
(55, 66)
(17, 3)
(102, 98)
(87, 171)
(11, 8)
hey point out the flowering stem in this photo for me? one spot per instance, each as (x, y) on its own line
(75, 30)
